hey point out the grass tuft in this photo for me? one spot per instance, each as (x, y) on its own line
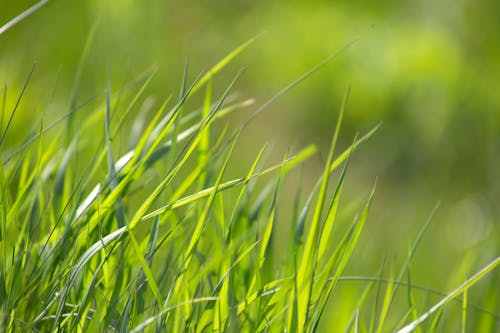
(153, 236)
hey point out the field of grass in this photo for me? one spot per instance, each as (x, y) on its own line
(132, 214)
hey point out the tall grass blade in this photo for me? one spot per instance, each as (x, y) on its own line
(299, 80)
(464, 311)
(76, 83)
(16, 106)
(223, 63)
(386, 304)
(112, 175)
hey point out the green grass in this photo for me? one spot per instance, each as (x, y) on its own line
(155, 237)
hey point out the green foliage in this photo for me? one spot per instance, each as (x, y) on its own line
(154, 236)
(100, 257)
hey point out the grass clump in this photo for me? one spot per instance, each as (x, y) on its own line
(90, 243)
(156, 238)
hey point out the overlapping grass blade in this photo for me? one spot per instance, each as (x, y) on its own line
(460, 289)
(290, 162)
(308, 261)
(195, 251)
(78, 267)
(112, 175)
(338, 260)
(385, 304)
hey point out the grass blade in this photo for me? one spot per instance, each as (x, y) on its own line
(460, 289)
(16, 106)
(22, 16)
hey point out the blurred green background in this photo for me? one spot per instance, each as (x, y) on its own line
(429, 70)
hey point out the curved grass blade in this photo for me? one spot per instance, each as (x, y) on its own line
(350, 278)
(414, 248)
(22, 16)
(79, 266)
(460, 289)
(153, 319)
(304, 154)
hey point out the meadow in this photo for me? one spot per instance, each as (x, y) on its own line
(201, 173)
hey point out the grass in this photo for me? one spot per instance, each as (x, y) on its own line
(157, 238)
